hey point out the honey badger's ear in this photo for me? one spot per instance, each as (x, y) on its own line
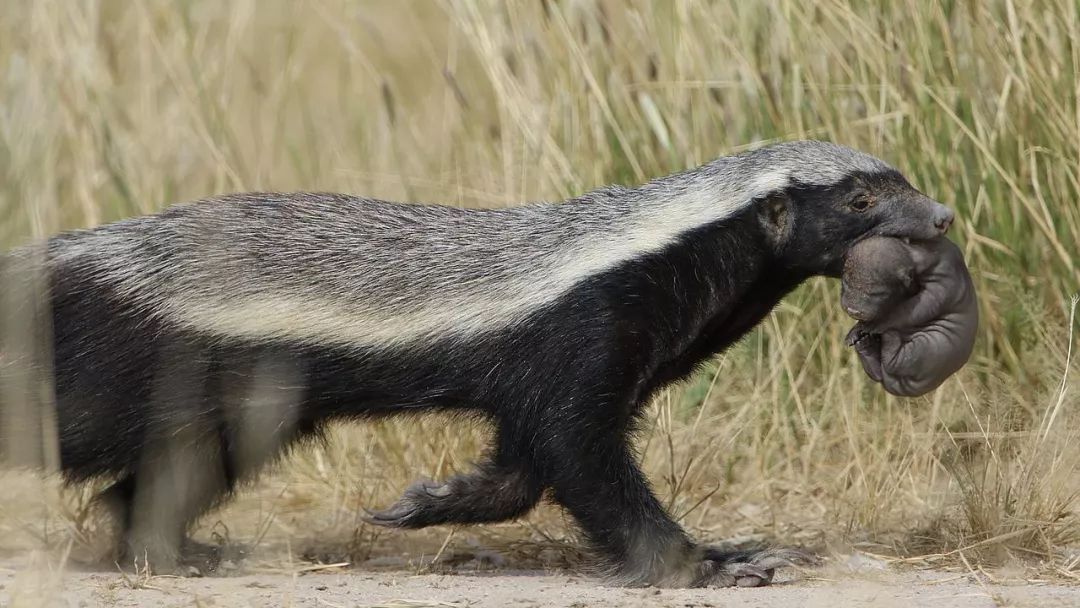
(775, 215)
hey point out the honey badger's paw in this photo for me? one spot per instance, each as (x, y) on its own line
(746, 568)
(487, 494)
(419, 506)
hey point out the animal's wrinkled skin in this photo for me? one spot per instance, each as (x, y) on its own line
(917, 311)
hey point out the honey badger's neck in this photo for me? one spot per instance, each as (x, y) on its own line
(691, 300)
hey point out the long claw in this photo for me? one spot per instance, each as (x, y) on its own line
(749, 575)
(435, 489)
(394, 517)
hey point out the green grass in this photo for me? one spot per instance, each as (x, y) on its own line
(109, 109)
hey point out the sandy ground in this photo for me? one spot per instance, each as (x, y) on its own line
(509, 588)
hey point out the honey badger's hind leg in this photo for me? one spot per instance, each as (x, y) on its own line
(154, 509)
(498, 489)
(216, 421)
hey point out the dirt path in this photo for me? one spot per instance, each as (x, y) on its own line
(513, 589)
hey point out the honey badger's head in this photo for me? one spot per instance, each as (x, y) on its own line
(832, 197)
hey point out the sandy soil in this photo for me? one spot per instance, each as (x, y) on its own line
(509, 588)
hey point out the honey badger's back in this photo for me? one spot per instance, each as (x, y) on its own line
(270, 265)
(326, 268)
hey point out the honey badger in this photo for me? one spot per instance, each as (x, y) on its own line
(192, 346)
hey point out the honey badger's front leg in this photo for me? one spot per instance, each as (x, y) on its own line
(587, 461)
(590, 468)
(500, 488)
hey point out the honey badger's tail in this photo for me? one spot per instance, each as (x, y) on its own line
(28, 431)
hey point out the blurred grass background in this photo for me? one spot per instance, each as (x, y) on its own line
(110, 109)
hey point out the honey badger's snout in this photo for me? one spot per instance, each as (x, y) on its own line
(915, 216)
(943, 217)
(937, 218)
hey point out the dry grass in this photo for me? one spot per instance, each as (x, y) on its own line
(109, 109)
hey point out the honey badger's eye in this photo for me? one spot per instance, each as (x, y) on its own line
(861, 202)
